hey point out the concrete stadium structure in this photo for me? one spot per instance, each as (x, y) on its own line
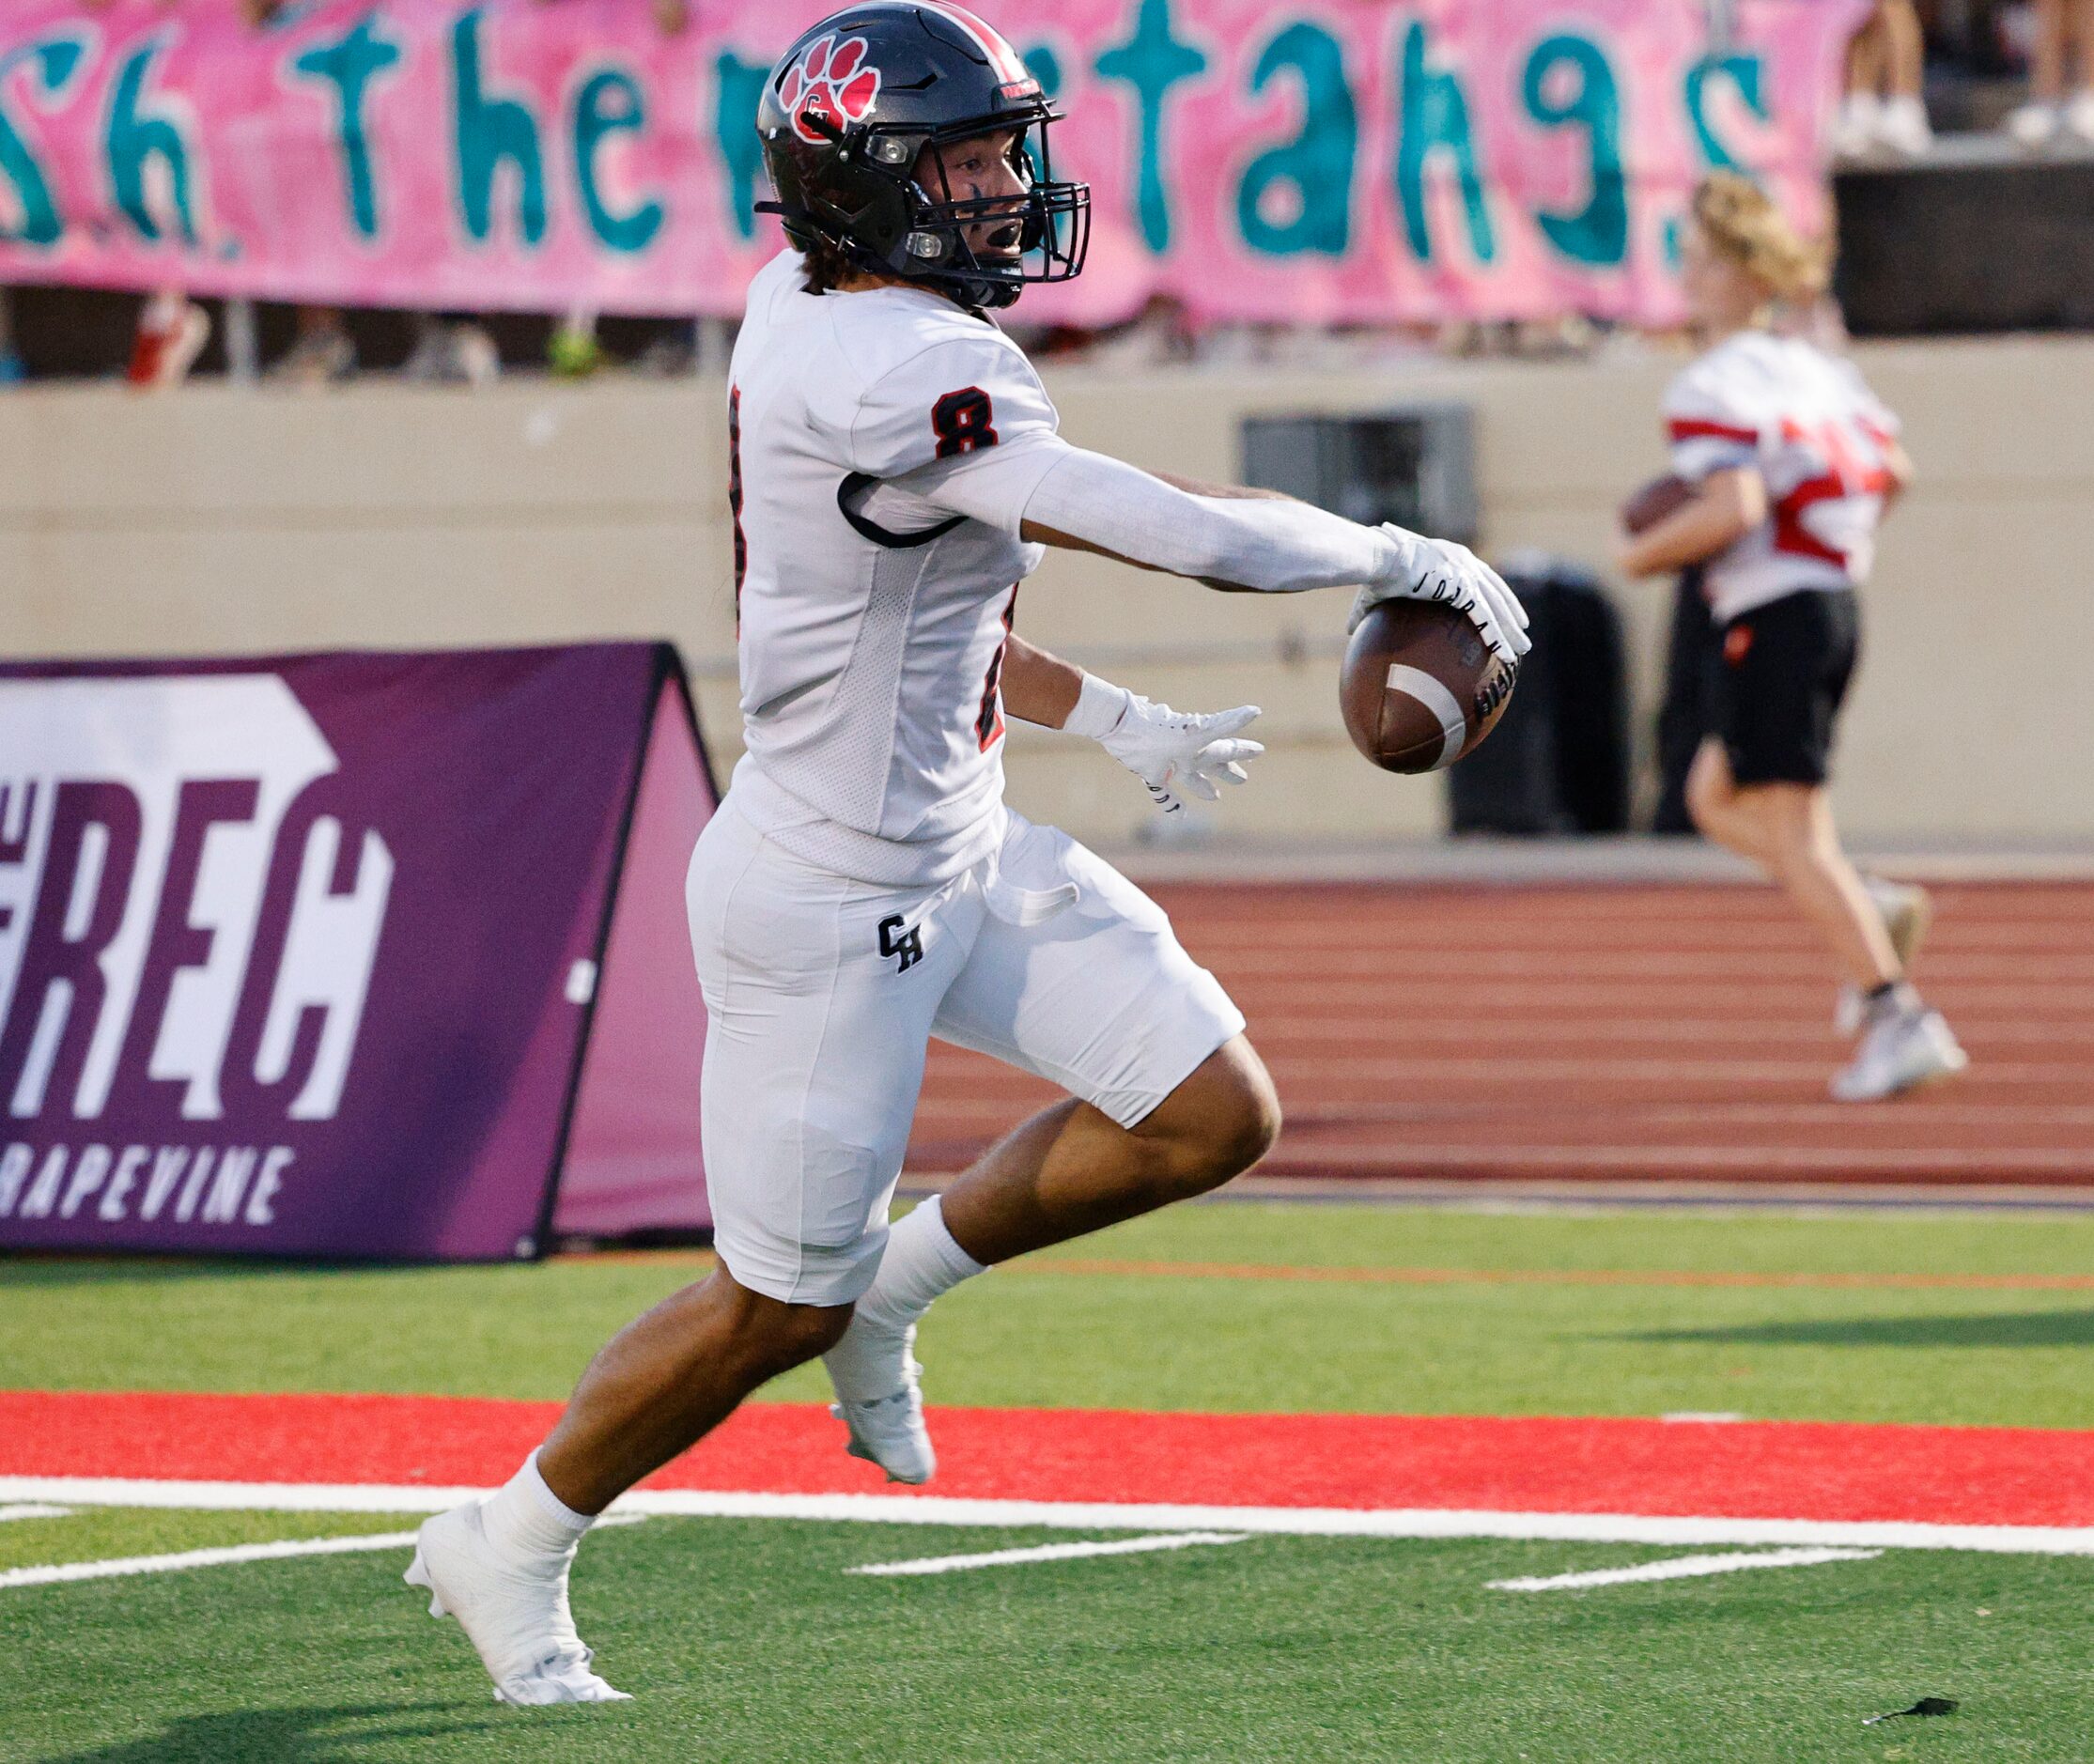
(221, 520)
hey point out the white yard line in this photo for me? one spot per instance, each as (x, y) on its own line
(1051, 1553)
(1680, 1568)
(34, 1509)
(931, 1510)
(228, 1556)
(202, 1558)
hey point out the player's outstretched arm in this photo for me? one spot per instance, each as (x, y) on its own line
(1170, 750)
(1265, 544)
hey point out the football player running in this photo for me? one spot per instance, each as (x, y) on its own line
(863, 887)
(1795, 462)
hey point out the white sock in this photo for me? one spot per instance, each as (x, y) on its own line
(524, 1517)
(921, 1261)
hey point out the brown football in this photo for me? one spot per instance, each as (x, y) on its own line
(1653, 503)
(1419, 687)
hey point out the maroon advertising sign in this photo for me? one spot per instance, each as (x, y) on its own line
(348, 956)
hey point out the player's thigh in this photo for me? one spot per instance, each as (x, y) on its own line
(1100, 998)
(818, 1023)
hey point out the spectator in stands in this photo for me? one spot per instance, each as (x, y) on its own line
(172, 332)
(323, 353)
(1885, 64)
(451, 350)
(2064, 32)
(13, 370)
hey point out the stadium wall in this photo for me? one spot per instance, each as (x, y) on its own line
(219, 520)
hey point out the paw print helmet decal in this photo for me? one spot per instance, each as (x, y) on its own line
(831, 87)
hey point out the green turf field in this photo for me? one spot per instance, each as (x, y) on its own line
(748, 1640)
(1177, 1341)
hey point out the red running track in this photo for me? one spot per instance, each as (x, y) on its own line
(1835, 1471)
(1612, 1034)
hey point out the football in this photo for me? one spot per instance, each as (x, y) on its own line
(1419, 687)
(1653, 503)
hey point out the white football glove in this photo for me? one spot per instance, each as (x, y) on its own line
(1438, 569)
(1170, 750)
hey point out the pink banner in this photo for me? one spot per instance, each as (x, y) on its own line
(1348, 162)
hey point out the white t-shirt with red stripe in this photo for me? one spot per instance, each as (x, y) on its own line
(1818, 437)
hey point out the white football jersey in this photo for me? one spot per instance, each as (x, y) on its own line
(1818, 437)
(872, 622)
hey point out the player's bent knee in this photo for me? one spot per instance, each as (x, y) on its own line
(1222, 1119)
(776, 1336)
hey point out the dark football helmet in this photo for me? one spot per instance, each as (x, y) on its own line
(851, 107)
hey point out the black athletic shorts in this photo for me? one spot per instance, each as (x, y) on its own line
(1779, 674)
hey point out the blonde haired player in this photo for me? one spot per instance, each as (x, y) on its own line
(1793, 462)
(896, 470)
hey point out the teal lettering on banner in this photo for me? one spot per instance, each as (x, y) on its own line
(1318, 163)
(1598, 233)
(738, 90)
(349, 65)
(1151, 61)
(134, 137)
(1045, 66)
(1436, 118)
(490, 131)
(41, 223)
(1747, 73)
(610, 104)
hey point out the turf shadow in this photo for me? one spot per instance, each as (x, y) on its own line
(2007, 1329)
(285, 1736)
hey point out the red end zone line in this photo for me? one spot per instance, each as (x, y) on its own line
(1995, 1488)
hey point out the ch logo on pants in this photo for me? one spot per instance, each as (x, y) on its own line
(901, 940)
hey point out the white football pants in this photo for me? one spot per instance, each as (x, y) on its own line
(823, 994)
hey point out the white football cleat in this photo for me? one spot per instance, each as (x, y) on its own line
(513, 1610)
(1902, 1049)
(887, 1430)
(1907, 910)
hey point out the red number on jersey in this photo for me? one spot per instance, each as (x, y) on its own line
(1854, 462)
(989, 720)
(963, 421)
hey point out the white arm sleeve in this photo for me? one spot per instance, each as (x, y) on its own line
(1276, 547)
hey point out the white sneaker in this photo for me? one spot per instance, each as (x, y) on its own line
(1907, 910)
(888, 1431)
(2079, 116)
(513, 1610)
(1903, 1048)
(1903, 127)
(1856, 129)
(2032, 125)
